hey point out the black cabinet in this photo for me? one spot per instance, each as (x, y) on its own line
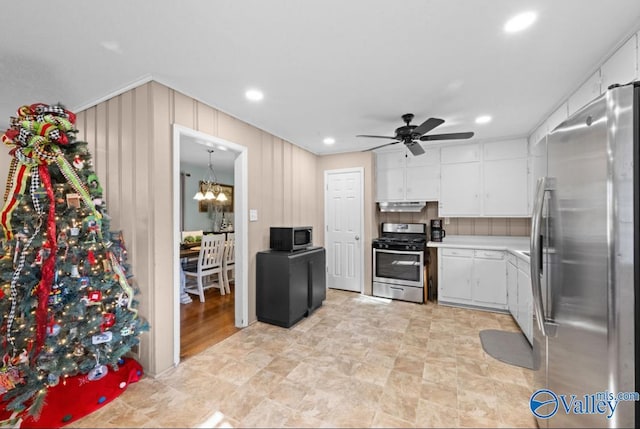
(289, 285)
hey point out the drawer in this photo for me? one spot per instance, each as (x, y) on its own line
(447, 251)
(511, 258)
(489, 254)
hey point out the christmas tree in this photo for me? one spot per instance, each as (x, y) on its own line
(67, 304)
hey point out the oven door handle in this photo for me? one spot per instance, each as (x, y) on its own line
(400, 252)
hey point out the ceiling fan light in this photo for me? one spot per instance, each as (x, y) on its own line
(199, 196)
(221, 197)
(209, 195)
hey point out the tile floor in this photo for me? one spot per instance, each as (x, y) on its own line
(356, 362)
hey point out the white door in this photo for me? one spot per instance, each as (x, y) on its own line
(344, 212)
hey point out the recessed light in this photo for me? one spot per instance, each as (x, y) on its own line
(254, 95)
(329, 140)
(520, 22)
(484, 119)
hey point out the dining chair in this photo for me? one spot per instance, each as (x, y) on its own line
(209, 264)
(229, 260)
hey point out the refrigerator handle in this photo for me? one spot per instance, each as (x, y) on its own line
(536, 253)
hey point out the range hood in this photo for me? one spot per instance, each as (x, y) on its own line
(402, 206)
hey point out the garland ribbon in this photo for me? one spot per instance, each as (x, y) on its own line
(18, 178)
(122, 279)
(48, 264)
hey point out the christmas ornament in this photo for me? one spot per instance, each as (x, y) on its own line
(83, 282)
(91, 257)
(97, 372)
(53, 329)
(95, 296)
(108, 320)
(78, 162)
(78, 350)
(53, 379)
(55, 296)
(73, 201)
(74, 272)
(103, 337)
(9, 378)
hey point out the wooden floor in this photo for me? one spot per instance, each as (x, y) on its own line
(203, 324)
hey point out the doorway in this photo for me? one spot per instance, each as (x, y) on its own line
(181, 135)
(344, 220)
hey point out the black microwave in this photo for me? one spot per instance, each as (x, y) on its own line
(290, 238)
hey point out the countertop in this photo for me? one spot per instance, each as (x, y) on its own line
(515, 245)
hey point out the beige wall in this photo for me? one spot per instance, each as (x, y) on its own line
(350, 160)
(130, 137)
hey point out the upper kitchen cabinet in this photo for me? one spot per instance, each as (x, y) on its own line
(505, 190)
(460, 180)
(587, 92)
(622, 66)
(401, 176)
(484, 179)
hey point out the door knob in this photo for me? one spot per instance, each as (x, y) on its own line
(357, 237)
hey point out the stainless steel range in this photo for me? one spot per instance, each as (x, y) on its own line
(399, 260)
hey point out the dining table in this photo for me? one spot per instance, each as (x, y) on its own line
(186, 253)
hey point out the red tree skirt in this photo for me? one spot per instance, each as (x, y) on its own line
(78, 397)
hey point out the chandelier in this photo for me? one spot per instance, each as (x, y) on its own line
(212, 190)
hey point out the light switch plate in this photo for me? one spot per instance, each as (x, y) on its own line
(253, 215)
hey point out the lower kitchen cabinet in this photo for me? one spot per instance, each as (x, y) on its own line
(490, 289)
(525, 300)
(472, 277)
(455, 280)
(512, 286)
(519, 295)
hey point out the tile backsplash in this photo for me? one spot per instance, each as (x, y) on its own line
(463, 225)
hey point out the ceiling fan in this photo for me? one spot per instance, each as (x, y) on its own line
(410, 134)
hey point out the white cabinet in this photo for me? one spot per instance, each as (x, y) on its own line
(401, 176)
(456, 276)
(505, 190)
(621, 67)
(519, 295)
(490, 288)
(583, 95)
(460, 180)
(485, 180)
(525, 300)
(512, 286)
(460, 189)
(472, 277)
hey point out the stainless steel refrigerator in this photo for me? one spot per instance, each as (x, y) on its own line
(584, 265)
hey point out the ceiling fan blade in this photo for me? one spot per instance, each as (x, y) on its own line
(427, 126)
(378, 147)
(450, 136)
(375, 137)
(415, 147)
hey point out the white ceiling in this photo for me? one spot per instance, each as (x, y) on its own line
(327, 67)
